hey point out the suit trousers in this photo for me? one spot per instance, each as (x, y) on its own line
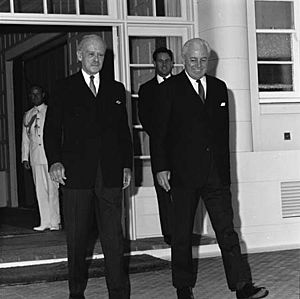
(47, 196)
(81, 207)
(165, 208)
(217, 200)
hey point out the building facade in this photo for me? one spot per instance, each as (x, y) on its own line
(255, 50)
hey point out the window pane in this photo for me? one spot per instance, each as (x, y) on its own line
(141, 48)
(275, 77)
(61, 7)
(135, 114)
(92, 7)
(32, 6)
(275, 47)
(168, 8)
(4, 6)
(274, 15)
(140, 7)
(139, 76)
(163, 8)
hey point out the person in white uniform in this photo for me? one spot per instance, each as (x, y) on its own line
(34, 157)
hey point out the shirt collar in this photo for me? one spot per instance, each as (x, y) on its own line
(87, 76)
(40, 107)
(203, 79)
(161, 79)
(195, 84)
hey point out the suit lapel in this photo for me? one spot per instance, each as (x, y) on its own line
(188, 88)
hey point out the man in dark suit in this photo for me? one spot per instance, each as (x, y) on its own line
(88, 145)
(190, 154)
(163, 62)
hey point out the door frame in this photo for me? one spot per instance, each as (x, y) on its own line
(9, 57)
(18, 50)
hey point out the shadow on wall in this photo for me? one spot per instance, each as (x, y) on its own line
(212, 70)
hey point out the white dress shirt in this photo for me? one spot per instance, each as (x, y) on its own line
(162, 79)
(87, 79)
(195, 83)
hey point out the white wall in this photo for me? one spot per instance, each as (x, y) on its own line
(256, 176)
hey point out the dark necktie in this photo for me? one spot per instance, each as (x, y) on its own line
(92, 85)
(201, 91)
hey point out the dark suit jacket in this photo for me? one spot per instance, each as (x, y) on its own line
(80, 130)
(146, 104)
(187, 132)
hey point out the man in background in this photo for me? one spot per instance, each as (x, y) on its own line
(163, 61)
(33, 156)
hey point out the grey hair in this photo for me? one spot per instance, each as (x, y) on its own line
(87, 37)
(199, 41)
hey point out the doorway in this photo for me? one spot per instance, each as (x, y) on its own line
(50, 56)
(41, 66)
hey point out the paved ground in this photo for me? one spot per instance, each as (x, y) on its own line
(278, 271)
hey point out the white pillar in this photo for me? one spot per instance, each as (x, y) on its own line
(223, 23)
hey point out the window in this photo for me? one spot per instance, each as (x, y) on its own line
(155, 8)
(5, 6)
(141, 48)
(277, 48)
(85, 7)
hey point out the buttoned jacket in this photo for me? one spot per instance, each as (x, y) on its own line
(82, 130)
(188, 133)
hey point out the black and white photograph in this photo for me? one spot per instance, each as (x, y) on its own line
(149, 149)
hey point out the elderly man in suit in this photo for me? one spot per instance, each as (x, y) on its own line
(34, 157)
(190, 155)
(89, 149)
(163, 62)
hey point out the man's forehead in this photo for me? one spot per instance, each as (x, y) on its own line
(92, 45)
(35, 90)
(163, 55)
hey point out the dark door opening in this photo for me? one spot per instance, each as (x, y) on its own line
(43, 65)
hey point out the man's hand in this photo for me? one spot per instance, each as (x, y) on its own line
(163, 178)
(126, 177)
(57, 173)
(26, 165)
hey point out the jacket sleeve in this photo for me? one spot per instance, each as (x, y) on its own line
(222, 151)
(159, 137)
(25, 141)
(124, 133)
(144, 108)
(53, 128)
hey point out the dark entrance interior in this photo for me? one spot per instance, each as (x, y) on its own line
(43, 65)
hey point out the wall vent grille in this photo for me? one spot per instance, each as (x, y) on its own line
(290, 199)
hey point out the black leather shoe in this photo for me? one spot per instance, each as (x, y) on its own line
(249, 291)
(185, 293)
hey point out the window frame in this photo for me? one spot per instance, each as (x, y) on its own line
(186, 14)
(276, 96)
(113, 7)
(137, 31)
